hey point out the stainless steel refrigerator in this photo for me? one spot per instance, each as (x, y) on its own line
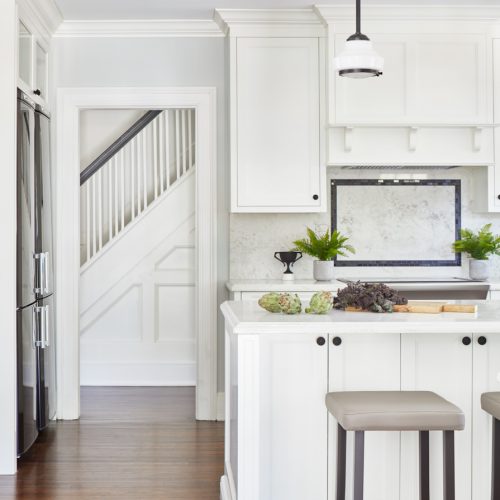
(35, 285)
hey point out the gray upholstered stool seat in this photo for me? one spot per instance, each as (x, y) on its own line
(421, 411)
(490, 403)
(395, 411)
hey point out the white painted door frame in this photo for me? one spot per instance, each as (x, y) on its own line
(69, 103)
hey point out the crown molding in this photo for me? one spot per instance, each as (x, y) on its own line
(339, 13)
(273, 22)
(42, 15)
(139, 28)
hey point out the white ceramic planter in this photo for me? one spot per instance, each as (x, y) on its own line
(479, 269)
(323, 270)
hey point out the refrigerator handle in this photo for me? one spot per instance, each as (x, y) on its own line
(41, 285)
(45, 328)
(46, 271)
(33, 327)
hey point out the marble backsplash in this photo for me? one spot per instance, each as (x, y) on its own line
(255, 237)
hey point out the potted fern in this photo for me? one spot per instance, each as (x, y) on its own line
(324, 247)
(479, 246)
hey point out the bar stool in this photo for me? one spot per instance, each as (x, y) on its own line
(421, 411)
(490, 403)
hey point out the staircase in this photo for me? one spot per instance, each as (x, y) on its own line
(137, 255)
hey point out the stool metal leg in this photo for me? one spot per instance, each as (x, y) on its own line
(359, 464)
(341, 462)
(424, 464)
(495, 468)
(449, 465)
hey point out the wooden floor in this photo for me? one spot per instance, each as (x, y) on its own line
(131, 443)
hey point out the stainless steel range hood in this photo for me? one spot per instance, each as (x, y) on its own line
(399, 167)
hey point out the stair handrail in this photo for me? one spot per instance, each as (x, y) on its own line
(124, 139)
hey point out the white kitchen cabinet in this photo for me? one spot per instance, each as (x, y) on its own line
(486, 360)
(33, 55)
(494, 295)
(291, 380)
(366, 361)
(442, 363)
(276, 109)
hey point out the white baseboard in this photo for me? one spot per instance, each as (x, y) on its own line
(221, 406)
(225, 490)
(138, 374)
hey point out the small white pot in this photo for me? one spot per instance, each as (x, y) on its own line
(323, 270)
(479, 269)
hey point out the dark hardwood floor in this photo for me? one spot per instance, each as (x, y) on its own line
(131, 443)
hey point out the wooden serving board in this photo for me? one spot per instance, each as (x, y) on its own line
(427, 308)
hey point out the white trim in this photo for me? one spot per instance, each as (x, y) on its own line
(8, 370)
(43, 16)
(69, 103)
(225, 490)
(221, 406)
(473, 13)
(144, 28)
(270, 22)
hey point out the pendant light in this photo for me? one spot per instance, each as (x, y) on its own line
(359, 59)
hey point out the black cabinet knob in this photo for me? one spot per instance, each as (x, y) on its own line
(498, 196)
(320, 341)
(315, 196)
(466, 341)
(37, 92)
(482, 340)
(337, 341)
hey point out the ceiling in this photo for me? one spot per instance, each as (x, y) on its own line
(203, 9)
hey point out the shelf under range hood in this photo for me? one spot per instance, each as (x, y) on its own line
(388, 279)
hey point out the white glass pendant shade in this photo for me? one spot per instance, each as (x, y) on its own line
(359, 60)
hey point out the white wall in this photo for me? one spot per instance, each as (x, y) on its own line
(8, 103)
(93, 62)
(255, 237)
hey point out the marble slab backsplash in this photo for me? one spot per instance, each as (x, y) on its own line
(255, 237)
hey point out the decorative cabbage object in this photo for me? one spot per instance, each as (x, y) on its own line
(290, 303)
(270, 302)
(320, 303)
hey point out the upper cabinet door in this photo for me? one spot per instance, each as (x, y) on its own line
(428, 78)
(276, 125)
(25, 55)
(41, 71)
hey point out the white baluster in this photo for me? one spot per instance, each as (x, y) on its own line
(87, 197)
(166, 139)
(144, 168)
(99, 201)
(115, 191)
(177, 146)
(122, 186)
(110, 199)
(139, 156)
(155, 155)
(190, 140)
(94, 232)
(161, 140)
(183, 149)
(132, 178)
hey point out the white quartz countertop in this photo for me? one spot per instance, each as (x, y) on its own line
(246, 317)
(317, 286)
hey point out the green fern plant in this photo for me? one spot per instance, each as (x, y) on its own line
(324, 246)
(478, 245)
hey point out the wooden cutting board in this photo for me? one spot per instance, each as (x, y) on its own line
(428, 308)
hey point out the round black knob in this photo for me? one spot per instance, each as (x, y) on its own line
(320, 341)
(498, 196)
(466, 341)
(482, 340)
(337, 341)
(315, 196)
(37, 92)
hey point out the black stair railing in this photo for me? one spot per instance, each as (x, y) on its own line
(125, 138)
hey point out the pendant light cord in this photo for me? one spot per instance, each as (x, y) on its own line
(358, 16)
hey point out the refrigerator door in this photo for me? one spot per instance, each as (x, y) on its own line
(43, 206)
(25, 204)
(26, 378)
(46, 362)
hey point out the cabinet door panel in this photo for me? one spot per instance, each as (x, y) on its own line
(367, 362)
(443, 364)
(486, 359)
(293, 376)
(277, 81)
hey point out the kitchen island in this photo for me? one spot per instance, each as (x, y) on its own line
(280, 440)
